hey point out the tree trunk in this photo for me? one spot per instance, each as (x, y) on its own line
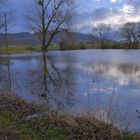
(43, 29)
(50, 39)
(44, 43)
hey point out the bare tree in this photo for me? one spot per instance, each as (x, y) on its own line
(103, 32)
(130, 33)
(48, 18)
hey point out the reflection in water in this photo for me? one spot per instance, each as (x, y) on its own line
(56, 85)
(102, 67)
(107, 90)
(5, 74)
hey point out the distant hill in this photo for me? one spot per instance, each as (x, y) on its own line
(23, 38)
(26, 38)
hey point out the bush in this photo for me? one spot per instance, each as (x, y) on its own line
(71, 46)
(30, 48)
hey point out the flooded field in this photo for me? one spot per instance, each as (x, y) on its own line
(94, 83)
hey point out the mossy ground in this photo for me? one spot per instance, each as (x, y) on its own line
(14, 124)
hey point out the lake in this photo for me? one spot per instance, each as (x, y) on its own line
(92, 83)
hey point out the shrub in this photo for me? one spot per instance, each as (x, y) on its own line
(71, 46)
(30, 48)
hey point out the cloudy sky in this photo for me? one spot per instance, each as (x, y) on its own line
(89, 13)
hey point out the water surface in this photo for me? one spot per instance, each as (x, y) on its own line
(100, 83)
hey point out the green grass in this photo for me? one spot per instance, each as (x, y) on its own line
(53, 47)
(18, 50)
(10, 127)
(25, 49)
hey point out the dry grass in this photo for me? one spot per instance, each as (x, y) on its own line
(20, 121)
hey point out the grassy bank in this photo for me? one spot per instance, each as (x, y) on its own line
(25, 49)
(22, 121)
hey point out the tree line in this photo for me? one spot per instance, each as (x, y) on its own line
(46, 18)
(127, 36)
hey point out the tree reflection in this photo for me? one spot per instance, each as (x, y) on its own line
(54, 82)
(5, 74)
(98, 89)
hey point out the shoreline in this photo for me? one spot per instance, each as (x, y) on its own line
(21, 120)
(37, 49)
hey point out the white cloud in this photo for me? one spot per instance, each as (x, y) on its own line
(127, 9)
(116, 18)
(116, 13)
(96, 0)
(113, 1)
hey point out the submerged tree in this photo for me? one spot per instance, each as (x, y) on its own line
(48, 17)
(103, 32)
(130, 33)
